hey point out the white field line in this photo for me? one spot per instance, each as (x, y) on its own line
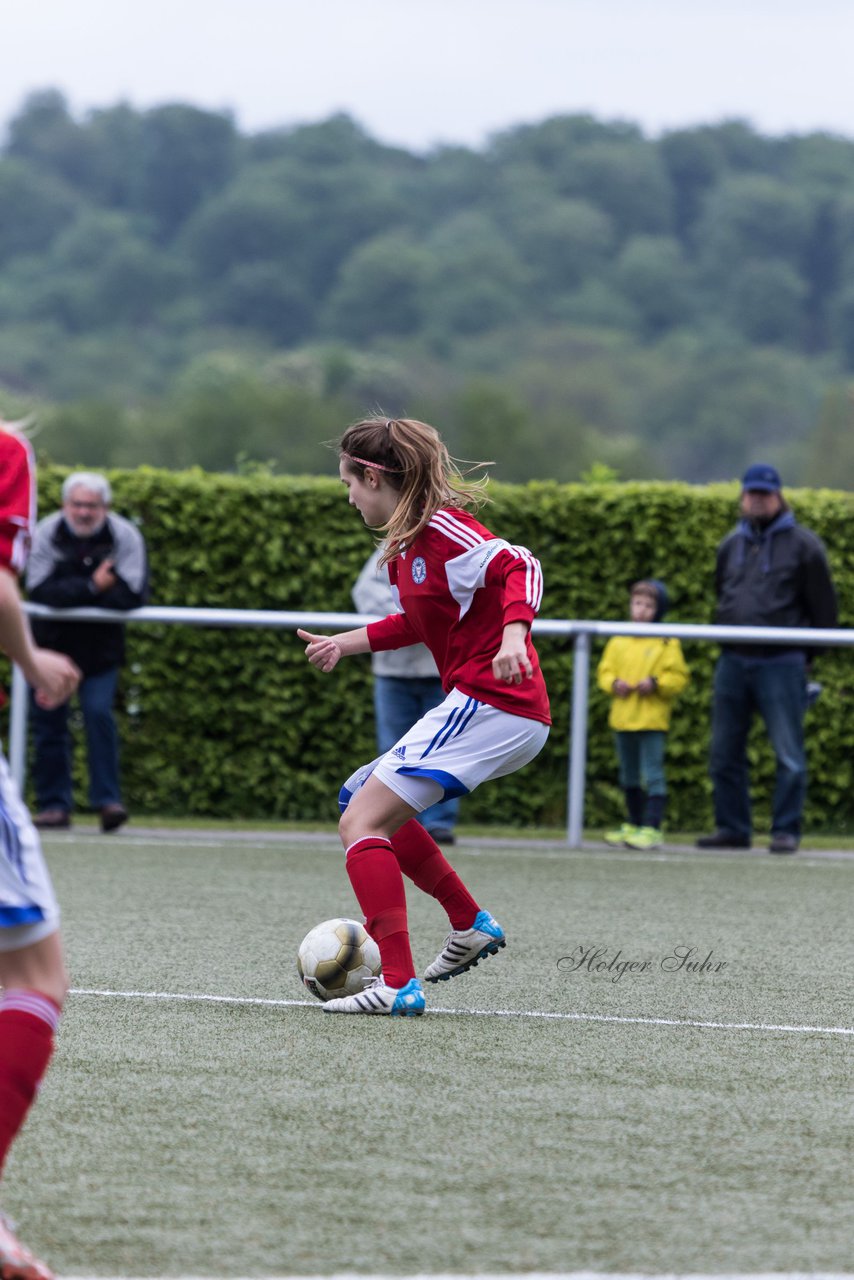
(473, 847)
(476, 1013)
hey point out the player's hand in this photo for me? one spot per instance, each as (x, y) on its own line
(622, 689)
(511, 664)
(54, 677)
(322, 652)
(646, 686)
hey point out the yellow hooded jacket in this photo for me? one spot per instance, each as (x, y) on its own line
(633, 658)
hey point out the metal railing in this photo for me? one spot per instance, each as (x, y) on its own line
(580, 632)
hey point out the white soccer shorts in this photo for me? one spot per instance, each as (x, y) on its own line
(28, 906)
(451, 750)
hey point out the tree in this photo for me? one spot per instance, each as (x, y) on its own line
(766, 302)
(563, 241)
(744, 150)
(378, 290)
(448, 181)
(830, 457)
(332, 142)
(548, 144)
(749, 218)
(822, 163)
(113, 135)
(44, 134)
(475, 279)
(842, 324)
(255, 220)
(822, 271)
(307, 220)
(260, 296)
(626, 180)
(36, 206)
(694, 161)
(187, 155)
(653, 274)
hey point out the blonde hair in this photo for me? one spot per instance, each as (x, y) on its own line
(412, 457)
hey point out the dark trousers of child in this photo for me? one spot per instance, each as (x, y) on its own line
(640, 753)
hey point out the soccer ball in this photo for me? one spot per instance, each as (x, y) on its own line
(337, 958)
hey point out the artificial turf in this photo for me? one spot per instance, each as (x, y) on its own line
(550, 1113)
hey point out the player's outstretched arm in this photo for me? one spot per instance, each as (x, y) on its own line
(324, 652)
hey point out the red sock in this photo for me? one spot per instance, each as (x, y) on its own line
(375, 876)
(422, 860)
(28, 1020)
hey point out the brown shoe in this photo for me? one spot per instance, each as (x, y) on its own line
(52, 820)
(112, 816)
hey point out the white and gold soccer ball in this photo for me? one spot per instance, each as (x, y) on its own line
(337, 957)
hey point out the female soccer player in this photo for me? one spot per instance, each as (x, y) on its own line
(471, 598)
(32, 972)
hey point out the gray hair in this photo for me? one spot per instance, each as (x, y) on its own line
(87, 480)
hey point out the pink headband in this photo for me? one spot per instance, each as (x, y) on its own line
(377, 466)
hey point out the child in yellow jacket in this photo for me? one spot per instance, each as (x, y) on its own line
(643, 674)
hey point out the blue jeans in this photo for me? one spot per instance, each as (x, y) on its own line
(777, 690)
(398, 702)
(52, 765)
(640, 753)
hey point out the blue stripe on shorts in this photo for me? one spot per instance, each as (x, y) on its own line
(454, 725)
(11, 916)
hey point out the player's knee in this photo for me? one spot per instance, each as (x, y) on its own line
(347, 828)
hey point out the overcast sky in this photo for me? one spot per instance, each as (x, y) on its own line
(422, 72)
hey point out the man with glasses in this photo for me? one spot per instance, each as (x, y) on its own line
(84, 555)
(771, 572)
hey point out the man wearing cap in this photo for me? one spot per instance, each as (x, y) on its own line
(771, 572)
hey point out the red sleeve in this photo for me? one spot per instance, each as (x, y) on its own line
(17, 500)
(393, 632)
(520, 577)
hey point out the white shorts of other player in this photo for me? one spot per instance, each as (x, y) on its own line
(28, 907)
(451, 750)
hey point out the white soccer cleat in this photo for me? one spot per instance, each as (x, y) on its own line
(377, 998)
(16, 1262)
(464, 947)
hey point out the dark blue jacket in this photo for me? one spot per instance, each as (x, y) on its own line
(773, 577)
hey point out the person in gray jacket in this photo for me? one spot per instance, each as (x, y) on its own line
(406, 685)
(84, 555)
(771, 572)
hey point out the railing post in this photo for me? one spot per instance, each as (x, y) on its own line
(18, 708)
(578, 738)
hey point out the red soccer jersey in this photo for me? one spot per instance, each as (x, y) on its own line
(17, 500)
(457, 587)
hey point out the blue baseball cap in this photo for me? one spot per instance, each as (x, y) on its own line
(763, 477)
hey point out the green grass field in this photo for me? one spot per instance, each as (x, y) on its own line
(541, 1117)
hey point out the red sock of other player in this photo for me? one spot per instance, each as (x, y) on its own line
(422, 860)
(378, 884)
(28, 1021)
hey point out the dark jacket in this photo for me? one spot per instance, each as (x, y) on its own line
(773, 577)
(59, 574)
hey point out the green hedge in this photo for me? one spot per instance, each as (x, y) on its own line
(233, 722)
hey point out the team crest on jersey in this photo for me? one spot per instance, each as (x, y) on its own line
(419, 570)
